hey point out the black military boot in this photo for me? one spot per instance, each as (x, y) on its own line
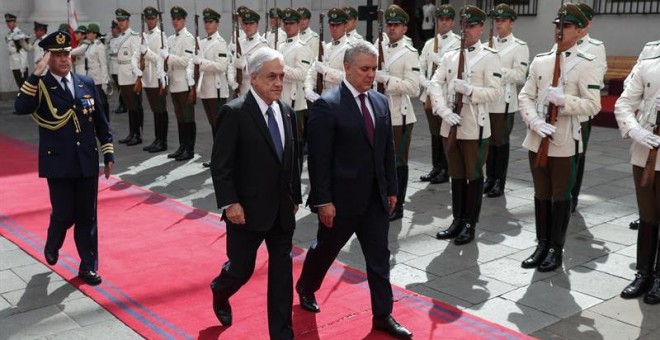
(575, 192)
(458, 189)
(191, 135)
(501, 167)
(131, 132)
(561, 214)
(182, 141)
(473, 198)
(634, 225)
(156, 128)
(442, 176)
(652, 297)
(434, 160)
(122, 107)
(490, 169)
(543, 217)
(647, 244)
(135, 126)
(402, 180)
(161, 133)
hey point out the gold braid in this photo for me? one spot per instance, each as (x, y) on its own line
(60, 120)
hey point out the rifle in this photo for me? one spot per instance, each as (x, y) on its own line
(381, 56)
(239, 72)
(137, 88)
(428, 106)
(319, 76)
(192, 96)
(162, 79)
(492, 27)
(276, 30)
(458, 97)
(541, 160)
(648, 175)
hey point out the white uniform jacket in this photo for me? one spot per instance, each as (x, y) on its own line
(514, 57)
(153, 63)
(311, 40)
(248, 47)
(333, 57)
(446, 42)
(296, 64)
(179, 61)
(213, 69)
(17, 54)
(97, 64)
(128, 47)
(401, 62)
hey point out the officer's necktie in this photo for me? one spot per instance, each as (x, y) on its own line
(368, 122)
(65, 84)
(274, 130)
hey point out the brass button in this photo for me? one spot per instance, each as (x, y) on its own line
(78, 143)
(74, 106)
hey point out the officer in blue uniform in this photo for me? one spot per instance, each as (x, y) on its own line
(69, 112)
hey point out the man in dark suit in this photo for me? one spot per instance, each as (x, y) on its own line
(353, 183)
(257, 184)
(69, 112)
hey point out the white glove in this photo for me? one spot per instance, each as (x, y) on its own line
(239, 62)
(556, 96)
(435, 58)
(320, 67)
(462, 86)
(143, 48)
(657, 104)
(541, 128)
(137, 72)
(382, 76)
(197, 59)
(232, 84)
(104, 87)
(426, 83)
(311, 96)
(450, 117)
(644, 137)
(164, 53)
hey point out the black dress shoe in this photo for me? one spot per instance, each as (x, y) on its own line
(158, 147)
(536, 258)
(151, 146)
(497, 190)
(187, 154)
(222, 310)
(127, 139)
(135, 140)
(552, 260)
(488, 185)
(307, 300)
(454, 229)
(634, 225)
(91, 277)
(51, 257)
(441, 177)
(652, 297)
(391, 327)
(121, 109)
(178, 152)
(206, 164)
(397, 214)
(427, 178)
(466, 235)
(638, 286)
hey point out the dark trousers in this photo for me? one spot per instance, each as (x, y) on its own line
(104, 101)
(554, 181)
(467, 159)
(19, 76)
(183, 110)
(73, 201)
(647, 197)
(402, 134)
(242, 246)
(371, 229)
(212, 109)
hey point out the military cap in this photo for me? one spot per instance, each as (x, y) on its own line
(122, 14)
(150, 12)
(241, 9)
(473, 15)
(445, 11)
(210, 14)
(113, 24)
(63, 27)
(81, 29)
(178, 12)
(274, 13)
(351, 12)
(504, 11)
(9, 17)
(59, 41)
(396, 15)
(38, 25)
(587, 10)
(305, 13)
(337, 16)
(93, 28)
(249, 16)
(290, 15)
(572, 14)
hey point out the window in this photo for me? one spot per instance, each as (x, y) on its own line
(626, 6)
(522, 7)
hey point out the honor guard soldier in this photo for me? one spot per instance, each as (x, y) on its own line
(577, 93)
(514, 58)
(16, 43)
(351, 33)
(154, 81)
(113, 45)
(275, 34)
(651, 49)
(128, 48)
(97, 65)
(643, 92)
(432, 53)
(78, 53)
(480, 85)
(252, 42)
(178, 58)
(400, 76)
(213, 61)
(40, 31)
(297, 60)
(68, 110)
(332, 66)
(309, 37)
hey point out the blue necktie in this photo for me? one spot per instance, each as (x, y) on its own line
(274, 130)
(66, 87)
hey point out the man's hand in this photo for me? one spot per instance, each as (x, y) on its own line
(541, 128)
(392, 201)
(311, 96)
(144, 48)
(327, 214)
(462, 86)
(197, 59)
(40, 68)
(107, 170)
(556, 95)
(382, 76)
(320, 67)
(239, 62)
(235, 213)
(164, 53)
(104, 87)
(644, 137)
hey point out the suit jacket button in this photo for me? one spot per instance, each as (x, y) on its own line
(74, 106)
(78, 143)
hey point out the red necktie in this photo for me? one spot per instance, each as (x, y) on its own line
(368, 122)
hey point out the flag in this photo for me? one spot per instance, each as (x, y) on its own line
(72, 17)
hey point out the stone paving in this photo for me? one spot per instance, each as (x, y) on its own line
(483, 278)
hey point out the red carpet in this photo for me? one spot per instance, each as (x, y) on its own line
(157, 258)
(606, 116)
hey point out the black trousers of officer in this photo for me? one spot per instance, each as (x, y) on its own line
(73, 201)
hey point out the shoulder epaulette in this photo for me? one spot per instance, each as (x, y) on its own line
(595, 41)
(454, 49)
(412, 48)
(135, 34)
(650, 58)
(545, 53)
(520, 42)
(587, 56)
(490, 49)
(653, 43)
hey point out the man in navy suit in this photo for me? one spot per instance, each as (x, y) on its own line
(69, 112)
(254, 166)
(353, 183)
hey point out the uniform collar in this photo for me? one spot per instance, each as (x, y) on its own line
(502, 40)
(182, 31)
(214, 35)
(339, 41)
(476, 46)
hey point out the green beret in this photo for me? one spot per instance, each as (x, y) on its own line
(572, 14)
(9, 17)
(337, 16)
(150, 12)
(178, 12)
(304, 12)
(473, 15)
(122, 14)
(38, 25)
(59, 41)
(290, 15)
(94, 28)
(249, 16)
(63, 27)
(587, 10)
(445, 11)
(351, 12)
(396, 15)
(275, 13)
(210, 14)
(504, 11)
(81, 29)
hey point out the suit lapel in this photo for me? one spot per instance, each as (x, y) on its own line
(252, 107)
(288, 134)
(348, 99)
(51, 84)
